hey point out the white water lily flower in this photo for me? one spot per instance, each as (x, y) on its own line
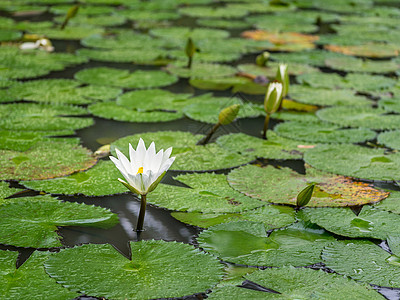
(146, 168)
(273, 97)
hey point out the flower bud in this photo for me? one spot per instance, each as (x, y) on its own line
(305, 196)
(190, 48)
(262, 59)
(282, 76)
(228, 114)
(273, 97)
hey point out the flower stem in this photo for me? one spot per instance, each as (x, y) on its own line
(209, 135)
(266, 122)
(139, 226)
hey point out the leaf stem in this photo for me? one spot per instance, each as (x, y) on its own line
(266, 122)
(209, 135)
(139, 226)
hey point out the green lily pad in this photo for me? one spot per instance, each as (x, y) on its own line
(223, 24)
(213, 12)
(355, 161)
(321, 132)
(390, 104)
(9, 35)
(360, 116)
(113, 111)
(272, 67)
(23, 140)
(189, 156)
(101, 180)
(352, 64)
(358, 82)
(123, 78)
(238, 84)
(295, 116)
(283, 22)
(272, 216)
(391, 203)
(145, 15)
(206, 192)
(201, 70)
(45, 160)
(87, 10)
(158, 269)
(62, 91)
(312, 57)
(94, 20)
(326, 97)
(375, 50)
(297, 283)
(29, 281)
(281, 186)
(248, 243)
(38, 218)
(207, 109)
(369, 223)
(364, 261)
(390, 139)
(42, 117)
(138, 56)
(6, 191)
(69, 32)
(275, 147)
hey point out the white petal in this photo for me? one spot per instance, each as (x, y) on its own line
(167, 154)
(132, 154)
(156, 162)
(124, 161)
(140, 152)
(166, 165)
(148, 158)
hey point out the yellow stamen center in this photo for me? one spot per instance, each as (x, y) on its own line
(140, 171)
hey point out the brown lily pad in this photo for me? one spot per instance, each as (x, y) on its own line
(366, 50)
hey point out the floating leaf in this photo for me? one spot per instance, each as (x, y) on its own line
(391, 203)
(312, 57)
(369, 223)
(239, 84)
(207, 192)
(6, 191)
(213, 12)
(326, 97)
(202, 70)
(42, 117)
(123, 78)
(284, 22)
(29, 281)
(390, 104)
(248, 243)
(295, 116)
(275, 147)
(296, 283)
(272, 216)
(189, 156)
(360, 116)
(281, 186)
(352, 64)
(223, 24)
(390, 139)
(62, 91)
(355, 161)
(100, 180)
(45, 160)
(378, 50)
(138, 56)
(38, 218)
(364, 261)
(270, 70)
(321, 132)
(70, 32)
(179, 35)
(158, 269)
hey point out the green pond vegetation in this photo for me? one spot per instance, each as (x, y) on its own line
(172, 72)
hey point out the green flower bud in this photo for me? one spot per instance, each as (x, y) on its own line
(305, 196)
(190, 48)
(228, 114)
(262, 59)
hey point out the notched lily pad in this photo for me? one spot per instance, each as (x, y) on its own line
(355, 161)
(123, 78)
(6, 191)
(100, 180)
(45, 160)
(29, 281)
(158, 269)
(38, 218)
(390, 139)
(206, 192)
(247, 243)
(352, 64)
(281, 186)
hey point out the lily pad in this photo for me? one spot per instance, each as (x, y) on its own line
(364, 261)
(6, 191)
(206, 192)
(45, 160)
(202, 70)
(138, 56)
(177, 36)
(295, 116)
(9, 35)
(369, 223)
(275, 147)
(283, 22)
(326, 97)
(248, 243)
(69, 32)
(239, 84)
(42, 117)
(207, 109)
(189, 156)
(94, 20)
(390, 139)
(158, 269)
(272, 216)
(223, 24)
(296, 283)
(390, 104)
(281, 186)
(62, 91)
(123, 78)
(352, 64)
(376, 50)
(213, 12)
(312, 57)
(87, 10)
(100, 180)
(391, 203)
(270, 70)
(38, 218)
(355, 161)
(321, 132)
(29, 281)
(360, 116)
